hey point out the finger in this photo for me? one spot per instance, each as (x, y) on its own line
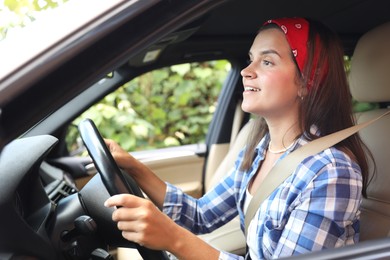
(138, 238)
(110, 144)
(145, 212)
(108, 141)
(131, 226)
(123, 200)
(125, 214)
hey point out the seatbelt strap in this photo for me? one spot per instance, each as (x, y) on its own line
(285, 167)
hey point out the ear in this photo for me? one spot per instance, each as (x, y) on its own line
(302, 92)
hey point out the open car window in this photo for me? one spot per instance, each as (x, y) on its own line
(166, 107)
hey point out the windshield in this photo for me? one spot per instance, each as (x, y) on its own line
(38, 33)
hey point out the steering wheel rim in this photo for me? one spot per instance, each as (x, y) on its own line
(105, 164)
(111, 175)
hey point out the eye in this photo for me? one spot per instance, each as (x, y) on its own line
(267, 62)
(248, 61)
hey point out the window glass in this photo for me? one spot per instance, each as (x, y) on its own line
(166, 107)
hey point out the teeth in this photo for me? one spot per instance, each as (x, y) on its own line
(252, 89)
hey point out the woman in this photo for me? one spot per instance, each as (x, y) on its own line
(296, 83)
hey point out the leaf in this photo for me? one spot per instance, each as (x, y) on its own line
(171, 141)
(181, 69)
(203, 73)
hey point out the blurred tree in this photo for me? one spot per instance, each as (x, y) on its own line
(15, 14)
(166, 107)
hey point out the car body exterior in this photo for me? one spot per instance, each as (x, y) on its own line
(63, 72)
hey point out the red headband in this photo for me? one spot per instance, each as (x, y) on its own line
(297, 34)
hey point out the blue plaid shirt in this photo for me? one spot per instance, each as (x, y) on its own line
(317, 207)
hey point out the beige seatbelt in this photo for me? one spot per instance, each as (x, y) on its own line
(285, 167)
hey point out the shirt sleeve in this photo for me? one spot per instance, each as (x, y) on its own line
(326, 215)
(203, 215)
(228, 256)
(177, 204)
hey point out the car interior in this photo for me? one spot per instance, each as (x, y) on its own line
(219, 30)
(369, 82)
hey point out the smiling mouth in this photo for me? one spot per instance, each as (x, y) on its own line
(252, 89)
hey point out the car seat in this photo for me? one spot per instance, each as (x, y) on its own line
(229, 237)
(370, 82)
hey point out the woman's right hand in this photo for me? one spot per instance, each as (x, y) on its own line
(141, 222)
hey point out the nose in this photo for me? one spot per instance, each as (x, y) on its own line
(248, 72)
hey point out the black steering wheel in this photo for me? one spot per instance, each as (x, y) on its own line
(112, 177)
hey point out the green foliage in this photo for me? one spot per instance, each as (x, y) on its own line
(166, 107)
(364, 106)
(19, 13)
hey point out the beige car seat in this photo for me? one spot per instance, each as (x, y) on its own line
(370, 82)
(229, 237)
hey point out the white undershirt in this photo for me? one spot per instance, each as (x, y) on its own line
(248, 198)
(251, 236)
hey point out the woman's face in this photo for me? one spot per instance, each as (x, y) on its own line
(270, 84)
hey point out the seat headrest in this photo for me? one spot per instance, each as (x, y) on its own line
(369, 77)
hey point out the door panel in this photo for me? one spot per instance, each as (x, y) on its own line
(181, 166)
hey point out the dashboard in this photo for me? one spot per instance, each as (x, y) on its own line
(39, 204)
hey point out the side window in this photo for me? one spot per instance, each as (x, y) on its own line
(170, 106)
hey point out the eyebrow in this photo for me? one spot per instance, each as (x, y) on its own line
(265, 52)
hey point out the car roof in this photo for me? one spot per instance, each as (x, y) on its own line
(346, 17)
(228, 30)
(180, 31)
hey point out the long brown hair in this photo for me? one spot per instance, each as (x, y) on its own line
(328, 103)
